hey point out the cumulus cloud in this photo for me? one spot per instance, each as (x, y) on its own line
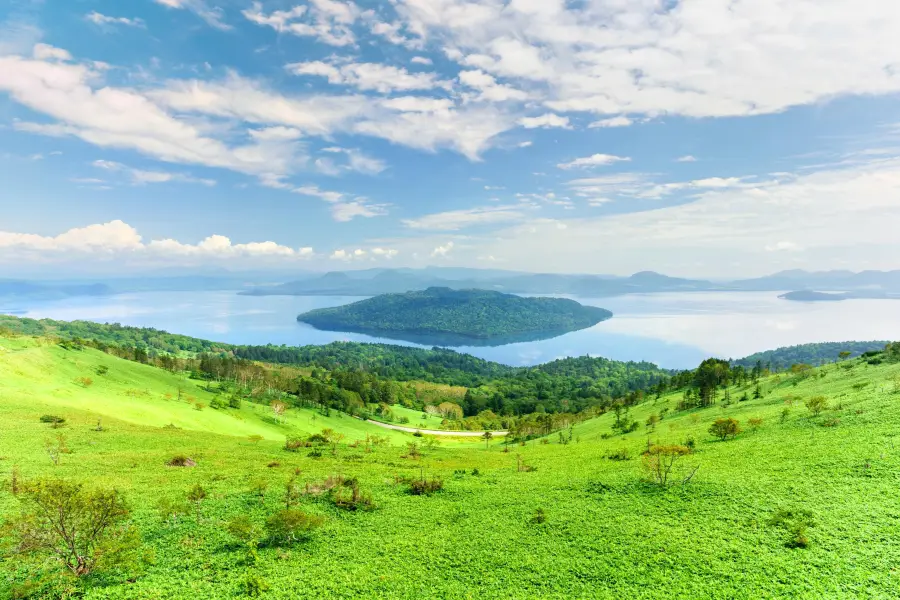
(369, 76)
(685, 58)
(686, 158)
(546, 121)
(443, 250)
(595, 160)
(329, 21)
(620, 121)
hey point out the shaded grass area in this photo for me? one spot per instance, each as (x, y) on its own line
(607, 534)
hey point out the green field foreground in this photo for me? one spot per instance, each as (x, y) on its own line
(606, 532)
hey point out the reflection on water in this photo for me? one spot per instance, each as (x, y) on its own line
(673, 330)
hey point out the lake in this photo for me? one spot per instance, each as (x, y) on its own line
(673, 330)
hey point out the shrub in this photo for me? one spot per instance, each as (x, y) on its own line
(349, 496)
(785, 413)
(217, 404)
(84, 382)
(243, 529)
(833, 422)
(294, 444)
(85, 531)
(234, 402)
(289, 526)
(539, 516)
(755, 423)
(53, 420)
(816, 405)
(180, 460)
(101, 370)
(690, 443)
(795, 523)
(620, 454)
(422, 486)
(254, 585)
(659, 463)
(722, 428)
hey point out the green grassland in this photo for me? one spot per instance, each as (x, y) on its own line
(608, 532)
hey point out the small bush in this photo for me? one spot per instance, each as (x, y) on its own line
(349, 496)
(423, 486)
(795, 523)
(218, 404)
(234, 402)
(723, 428)
(690, 443)
(833, 422)
(101, 370)
(181, 460)
(755, 423)
(53, 420)
(620, 454)
(816, 405)
(660, 462)
(84, 382)
(289, 526)
(294, 444)
(539, 516)
(254, 586)
(243, 529)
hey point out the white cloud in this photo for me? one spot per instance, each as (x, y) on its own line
(697, 58)
(347, 211)
(545, 122)
(443, 250)
(50, 53)
(620, 121)
(141, 177)
(385, 252)
(460, 219)
(686, 158)
(595, 160)
(420, 60)
(329, 21)
(369, 76)
(213, 15)
(121, 241)
(101, 19)
(783, 247)
(525, 144)
(488, 88)
(312, 190)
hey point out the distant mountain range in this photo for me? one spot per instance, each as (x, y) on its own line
(372, 282)
(388, 281)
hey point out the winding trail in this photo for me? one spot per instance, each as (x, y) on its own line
(437, 432)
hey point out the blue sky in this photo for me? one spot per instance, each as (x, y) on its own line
(700, 137)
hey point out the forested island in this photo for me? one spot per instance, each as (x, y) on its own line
(443, 316)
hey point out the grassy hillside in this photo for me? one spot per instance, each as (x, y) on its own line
(41, 374)
(606, 532)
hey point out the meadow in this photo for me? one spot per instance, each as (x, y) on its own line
(575, 514)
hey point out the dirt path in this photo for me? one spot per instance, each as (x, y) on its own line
(437, 432)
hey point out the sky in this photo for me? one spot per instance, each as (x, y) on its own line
(703, 138)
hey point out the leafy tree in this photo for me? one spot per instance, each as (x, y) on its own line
(84, 530)
(725, 427)
(487, 436)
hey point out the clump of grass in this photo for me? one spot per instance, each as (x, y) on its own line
(180, 460)
(620, 454)
(796, 523)
(539, 517)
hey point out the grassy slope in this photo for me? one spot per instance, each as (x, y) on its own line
(607, 536)
(41, 374)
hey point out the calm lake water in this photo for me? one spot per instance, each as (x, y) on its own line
(671, 330)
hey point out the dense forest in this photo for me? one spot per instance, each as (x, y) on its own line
(473, 314)
(810, 354)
